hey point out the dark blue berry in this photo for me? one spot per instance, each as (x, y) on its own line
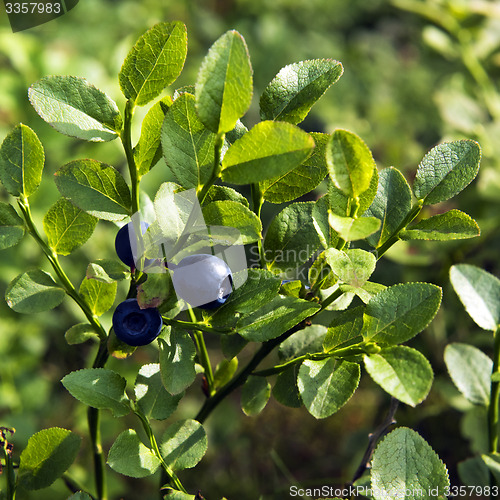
(123, 248)
(136, 326)
(203, 280)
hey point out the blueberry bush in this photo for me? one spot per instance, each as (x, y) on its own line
(196, 261)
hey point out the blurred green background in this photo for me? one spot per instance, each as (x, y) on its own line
(416, 73)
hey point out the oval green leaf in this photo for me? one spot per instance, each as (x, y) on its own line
(48, 454)
(350, 163)
(98, 295)
(67, 227)
(293, 91)
(183, 444)
(353, 266)
(402, 372)
(446, 170)
(76, 108)
(325, 386)
(21, 161)
(479, 292)
(417, 468)
(96, 188)
(32, 292)
(400, 312)
(268, 150)
(350, 229)
(470, 369)
(224, 84)
(155, 61)
(255, 394)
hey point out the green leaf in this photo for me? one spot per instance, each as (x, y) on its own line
(76, 108)
(232, 344)
(21, 161)
(399, 312)
(268, 150)
(291, 238)
(446, 170)
(364, 292)
(80, 333)
(255, 394)
(98, 295)
(148, 151)
(259, 288)
(154, 62)
(234, 214)
(350, 229)
(492, 461)
(99, 388)
(48, 454)
(345, 329)
(179, 495)
(183, 444)
(306, 341)
(11, 226)
(470, 369)
(325, 386)
(391, 205)
(119, 349)
(402, 372)
(177, 352)
(479, 292)
(474, 472)
(130, 457)
(107, 270)
(353, 267)
(32, 292)
(350, 163)
(67, 227)
(188, 146)
(96, 188)
(274, 318)
(224, 193)
(294, 90)
(404, 462)
(285, 389)
(302, 179)
(225, 371)
(452, 225)
(224, 84)
(151, 397)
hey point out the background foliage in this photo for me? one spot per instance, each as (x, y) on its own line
(416, 73)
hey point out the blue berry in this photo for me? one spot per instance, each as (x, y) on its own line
(203, 280)
(123, 248)
(136, 326)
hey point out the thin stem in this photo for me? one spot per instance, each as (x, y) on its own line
(212, 402)
(54, 261)
(394, 238)
(219, 142)
(126, 138)
(171, 475)
(93, 417)
(190, 325)
(494, 396)
(203, 355)
(257, 202)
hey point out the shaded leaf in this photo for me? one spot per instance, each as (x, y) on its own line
(11, 226)
(48, 454)
(268, 150)
(80, 333)
(130, 457)
(21, 161)
(107, 270)
(308, 340)
(255, 394)
(345, 329)
(285, 389)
